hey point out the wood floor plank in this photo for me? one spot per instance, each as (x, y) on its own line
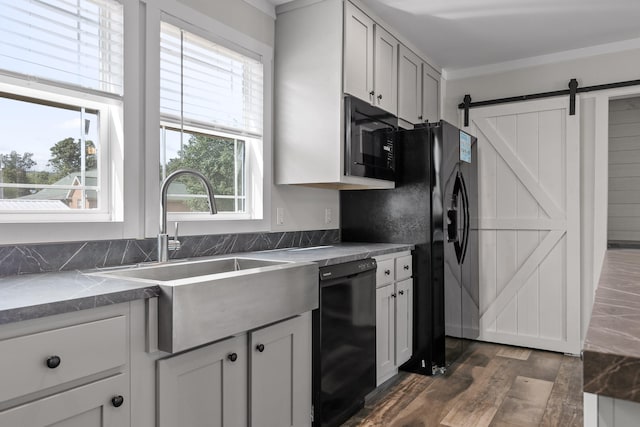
(435, 402)
(480, 402)
(543, 365)
(564, 407)
(525, 402)
(515, 353)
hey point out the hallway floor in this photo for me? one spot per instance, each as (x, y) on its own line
(491, 385)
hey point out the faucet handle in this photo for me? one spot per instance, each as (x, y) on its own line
(174, 244)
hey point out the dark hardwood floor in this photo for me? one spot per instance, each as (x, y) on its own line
(490, 385)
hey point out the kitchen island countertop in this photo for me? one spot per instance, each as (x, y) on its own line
(612, 347)
(32, 296)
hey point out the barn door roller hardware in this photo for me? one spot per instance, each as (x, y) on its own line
(572, 91)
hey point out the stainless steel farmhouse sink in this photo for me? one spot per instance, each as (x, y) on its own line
(206, 300)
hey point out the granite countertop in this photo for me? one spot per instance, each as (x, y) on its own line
(333, 254)
(611, 351)
(32, 296)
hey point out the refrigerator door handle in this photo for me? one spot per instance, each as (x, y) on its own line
(466, 226)
(452, 218)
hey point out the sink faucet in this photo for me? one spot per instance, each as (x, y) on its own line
(164, 243)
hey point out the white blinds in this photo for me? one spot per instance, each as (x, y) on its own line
(207, 84)
(77, 42)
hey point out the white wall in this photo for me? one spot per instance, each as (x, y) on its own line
(550, 76)
(304, 208)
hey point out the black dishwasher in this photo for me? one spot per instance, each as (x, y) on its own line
(344, 341)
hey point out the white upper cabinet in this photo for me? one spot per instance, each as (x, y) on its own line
(358, 54)
(385, 71)
(409, 86)
(430, 94)
(370, 60)
(418, 89)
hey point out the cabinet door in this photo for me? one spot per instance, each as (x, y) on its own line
(87, 406)
(404, 321)
(409, 86)
(358, 53)
(430, 94)
(280, 374)
(205, 387)
(385, 71)
(385, 331)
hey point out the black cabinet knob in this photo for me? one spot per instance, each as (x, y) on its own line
(401, 292)
(232, 357)
(393, 295)
(380, 97)
(387, 272)
(117, 401)
(406, 267)
(260, 347)
(420, 117)
(53, 362)
(372, 93)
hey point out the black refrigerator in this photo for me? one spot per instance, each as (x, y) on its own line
(434, 206)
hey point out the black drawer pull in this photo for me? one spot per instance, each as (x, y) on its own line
(53, 362)
(406, 267)
(401, 292)
(387, 272)
(117, 401)
(393, 295)
(232, 357)
(260, 347)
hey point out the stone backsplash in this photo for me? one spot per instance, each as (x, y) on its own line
(47, 257)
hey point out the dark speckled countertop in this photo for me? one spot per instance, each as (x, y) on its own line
(32, 296)
(612, 346)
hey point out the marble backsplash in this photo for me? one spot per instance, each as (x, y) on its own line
(47, 257)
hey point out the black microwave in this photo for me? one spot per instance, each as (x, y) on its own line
(369, 140)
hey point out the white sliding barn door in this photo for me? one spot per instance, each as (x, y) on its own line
(529, 223)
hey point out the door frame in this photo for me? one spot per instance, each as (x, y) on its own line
(596, 177)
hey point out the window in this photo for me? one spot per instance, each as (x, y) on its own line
(211, 102)
(61, 87)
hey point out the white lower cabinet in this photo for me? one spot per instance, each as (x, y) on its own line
(205, 387)
(404, 321)
(100, 404)
(68, 370)
(262, 378)
(280, 379)
(385, 333)
(394, 314)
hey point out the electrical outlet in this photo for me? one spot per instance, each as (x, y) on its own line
(328, 216)
(280, 216)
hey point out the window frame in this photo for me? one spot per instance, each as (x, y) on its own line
(259, 185)
(250, 148)
(107, 108)
(124, 156)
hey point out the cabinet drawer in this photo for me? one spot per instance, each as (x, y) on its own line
(87, 406)
(385, 272)
(404, 267)
(82, 350)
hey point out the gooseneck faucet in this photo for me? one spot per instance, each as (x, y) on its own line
(164, 243)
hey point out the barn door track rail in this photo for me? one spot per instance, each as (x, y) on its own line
(466, 104)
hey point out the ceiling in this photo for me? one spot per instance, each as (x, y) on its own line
(459, 34)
